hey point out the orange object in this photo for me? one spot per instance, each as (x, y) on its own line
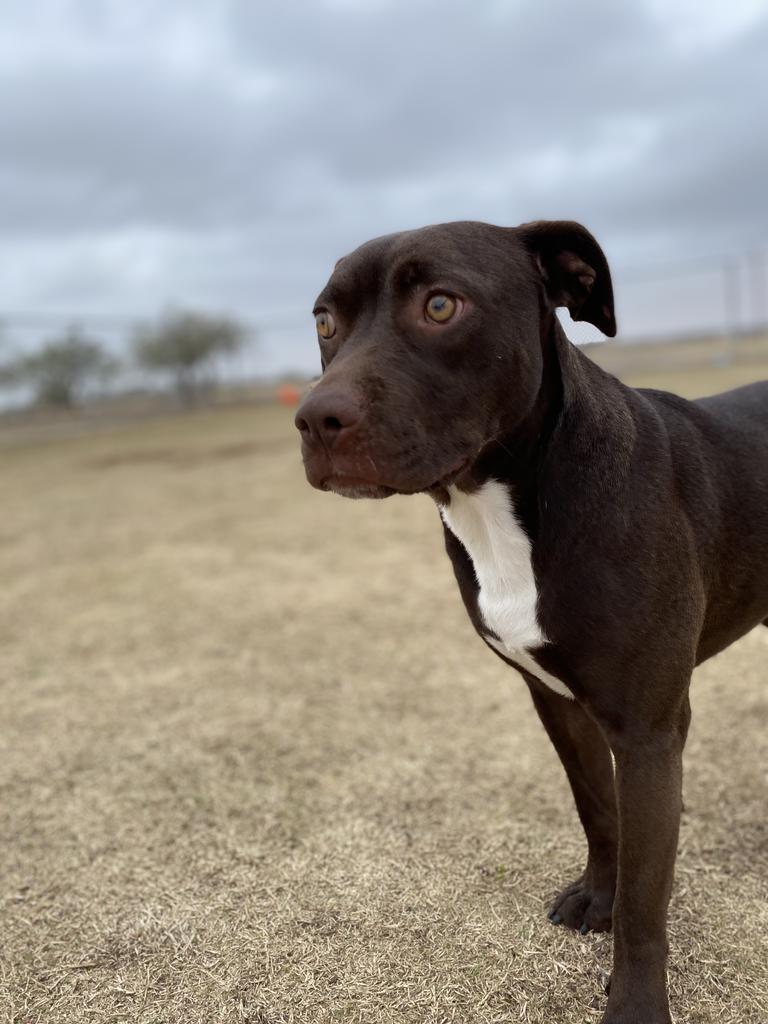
(289, 395)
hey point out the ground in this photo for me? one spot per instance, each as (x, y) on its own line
(256, 767)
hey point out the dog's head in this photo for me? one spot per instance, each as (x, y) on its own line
(431, 347)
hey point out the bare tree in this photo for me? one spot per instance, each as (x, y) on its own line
(185, 345)
(61, 370)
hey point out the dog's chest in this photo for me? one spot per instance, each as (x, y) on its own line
(485, 523)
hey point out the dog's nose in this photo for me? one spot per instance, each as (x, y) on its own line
(324, 416)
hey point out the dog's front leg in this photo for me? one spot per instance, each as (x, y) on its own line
(649, 791)
(585, 904)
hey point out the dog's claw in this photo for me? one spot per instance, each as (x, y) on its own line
(583, 908)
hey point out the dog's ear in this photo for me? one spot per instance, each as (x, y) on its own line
(574, 270)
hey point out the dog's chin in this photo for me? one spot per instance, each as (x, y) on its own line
(350, 488)
(353, 487)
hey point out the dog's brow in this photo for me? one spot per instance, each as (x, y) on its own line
(414, 271)
(331, 295)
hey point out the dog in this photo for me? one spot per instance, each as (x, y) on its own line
(605, 539)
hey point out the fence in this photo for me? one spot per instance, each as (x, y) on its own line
(726, 297)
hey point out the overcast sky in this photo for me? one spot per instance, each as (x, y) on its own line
(223, 154)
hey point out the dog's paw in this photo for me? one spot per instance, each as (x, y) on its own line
(584, 907)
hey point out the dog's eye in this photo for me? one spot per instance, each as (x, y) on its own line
(326, 326)
(440, 308)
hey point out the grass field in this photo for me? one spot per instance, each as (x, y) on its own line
(256, 767)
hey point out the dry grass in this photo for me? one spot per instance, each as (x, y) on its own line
(256, 767)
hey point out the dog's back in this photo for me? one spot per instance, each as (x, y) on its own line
(743, 409)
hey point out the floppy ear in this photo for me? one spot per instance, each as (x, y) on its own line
(574, 270)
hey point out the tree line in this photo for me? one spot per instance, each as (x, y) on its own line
(181, 347)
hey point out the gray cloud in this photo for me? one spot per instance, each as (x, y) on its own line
(224, 154)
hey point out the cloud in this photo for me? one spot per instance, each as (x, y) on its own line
(225, 154)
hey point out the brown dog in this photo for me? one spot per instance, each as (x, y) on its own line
(605, 540)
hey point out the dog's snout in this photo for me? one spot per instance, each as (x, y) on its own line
(324, 416)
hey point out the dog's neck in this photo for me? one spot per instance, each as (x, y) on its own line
(515, 455)
(578, 405)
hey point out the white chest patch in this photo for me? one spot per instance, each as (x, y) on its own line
(486, 525)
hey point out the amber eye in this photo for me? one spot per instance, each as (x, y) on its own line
(440, 308)
(326, 326)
